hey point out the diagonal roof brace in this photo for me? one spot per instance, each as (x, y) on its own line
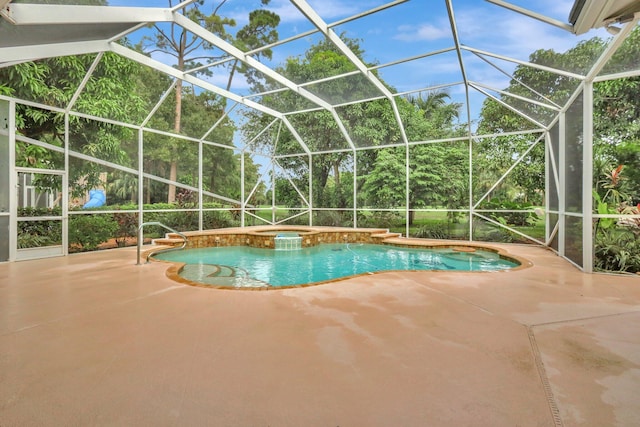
(35, 52)
(189, 25)
(316, 20)
(249, 60)
(145, 60)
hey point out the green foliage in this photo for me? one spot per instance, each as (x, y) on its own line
(379, 219)
(617, 249)
(510, 218)
(333, 219)
(127, 227)
(434, 231)
(110, 92)
(368, 125)
(32, 234)
(438, 177)
(87, 232)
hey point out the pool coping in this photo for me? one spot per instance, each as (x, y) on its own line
(381, 236)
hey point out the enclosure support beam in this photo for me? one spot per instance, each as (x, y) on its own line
(273, 191)
(65, 189)
(8, 124)
(200, 185)
(587, 179)
(562, 200)
(310, 190)
(355, 189)
(140, 181)
(242, 199)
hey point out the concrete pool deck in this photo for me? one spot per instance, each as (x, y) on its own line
(93, 339)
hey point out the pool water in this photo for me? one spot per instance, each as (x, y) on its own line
(243, 266)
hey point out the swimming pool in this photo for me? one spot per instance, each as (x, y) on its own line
(242, 266)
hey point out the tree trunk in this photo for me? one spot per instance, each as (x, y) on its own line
(173, 171)
(147, 196)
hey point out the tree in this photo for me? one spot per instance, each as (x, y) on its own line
(435, 108)
(110, 92)
(493, 156)
(616, 114)
(371, 123)
(381, 173)
(189, 50)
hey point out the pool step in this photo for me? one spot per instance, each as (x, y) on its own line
(221, 275)
(222, 271)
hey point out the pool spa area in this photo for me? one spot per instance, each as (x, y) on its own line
(276, 258)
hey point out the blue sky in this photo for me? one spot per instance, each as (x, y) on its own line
(414, 28)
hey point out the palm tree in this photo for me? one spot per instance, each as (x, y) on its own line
(436, 102)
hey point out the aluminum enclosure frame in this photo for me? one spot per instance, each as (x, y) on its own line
(121, 21)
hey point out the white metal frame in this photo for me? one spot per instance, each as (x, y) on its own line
(27, 14)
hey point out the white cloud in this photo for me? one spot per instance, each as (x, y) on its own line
(510, 33)
(430, 32)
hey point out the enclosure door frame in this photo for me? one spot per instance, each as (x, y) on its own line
(20, 254)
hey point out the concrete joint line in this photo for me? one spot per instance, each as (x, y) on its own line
(582, 319)
(542, 373)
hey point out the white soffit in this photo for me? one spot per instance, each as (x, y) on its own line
(588, 14)
(35, 31)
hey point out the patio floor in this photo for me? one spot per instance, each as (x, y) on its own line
(93, 339)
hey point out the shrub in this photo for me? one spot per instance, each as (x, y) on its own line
(89, 231)
(216, 219)
(617, 250)
(33, 234)
(332, 219)
(127, 226)
(510, 218)
(434, 231)
(378, 219)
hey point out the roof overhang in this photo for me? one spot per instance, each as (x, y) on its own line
(588, 14)
(37, 31)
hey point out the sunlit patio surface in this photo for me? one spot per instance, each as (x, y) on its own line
(94, 339)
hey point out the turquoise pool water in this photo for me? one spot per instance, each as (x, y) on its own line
(242, 266)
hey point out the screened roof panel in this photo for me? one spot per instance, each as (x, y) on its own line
(319, 131)
(627, 58)
(344, 89)
(334, 12)
(516, 36)
(290, 46)
(161, 42)
(238, 78)
(535, 112)
(371, 123)
(427, 29)
(523, 80)
(559, 10)
(284, 101)
(11, 36)
(408, 46)
(422, 73)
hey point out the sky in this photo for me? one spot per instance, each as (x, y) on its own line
(409, 29)
(413, 28)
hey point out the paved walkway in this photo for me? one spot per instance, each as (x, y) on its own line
(93, 340)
